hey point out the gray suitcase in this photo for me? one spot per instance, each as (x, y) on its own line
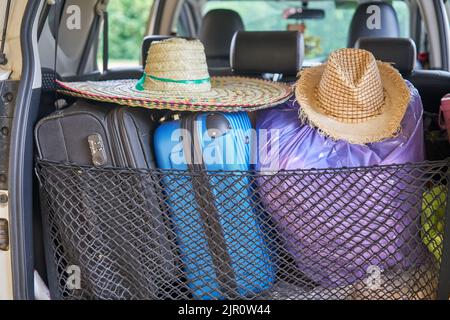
(126, 255)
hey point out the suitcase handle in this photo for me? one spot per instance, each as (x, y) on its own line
(217, 125)
(168, 116)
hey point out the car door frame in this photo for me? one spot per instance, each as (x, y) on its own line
(21, 173)
(436, 22)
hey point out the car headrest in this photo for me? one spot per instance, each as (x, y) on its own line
(366, 18)
(146, 45)
(399, 51)
(217, 30)
(258, 52)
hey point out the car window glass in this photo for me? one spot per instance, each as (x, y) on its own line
(127, 24)
(447, 8)
(403, 14)
(322, 36)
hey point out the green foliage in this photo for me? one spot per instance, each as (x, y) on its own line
(128, 19)
(127, 23)
(321, 36)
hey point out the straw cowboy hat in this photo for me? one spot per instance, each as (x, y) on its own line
(176, 77)
(353, 97)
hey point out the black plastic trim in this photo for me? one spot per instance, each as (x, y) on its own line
(442, 34)
(8, 92)
(159, 12)
(43, 18)
(21, 164)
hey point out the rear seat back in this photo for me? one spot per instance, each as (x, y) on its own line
(217, 30)
(146, 43)
(132, 72)
(431, 84)
(253, 54)
(359, 27)
(401, 52)
(267, 52)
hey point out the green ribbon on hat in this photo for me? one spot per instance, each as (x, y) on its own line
(140, 83)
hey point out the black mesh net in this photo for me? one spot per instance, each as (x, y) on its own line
(358, 233)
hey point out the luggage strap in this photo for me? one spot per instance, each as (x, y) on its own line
(208, 212)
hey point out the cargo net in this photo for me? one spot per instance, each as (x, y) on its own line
(361, 233)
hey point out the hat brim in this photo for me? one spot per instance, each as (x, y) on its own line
(386, 125)
(228, 94)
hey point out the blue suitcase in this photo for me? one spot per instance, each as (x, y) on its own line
(222, 244)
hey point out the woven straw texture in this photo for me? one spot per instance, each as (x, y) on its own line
(176, 78)
(353, 97)
(350, 89)
(228, 94)
(176, 59)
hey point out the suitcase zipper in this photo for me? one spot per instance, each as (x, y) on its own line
(124, 139)
(116, 149)
(121, 139)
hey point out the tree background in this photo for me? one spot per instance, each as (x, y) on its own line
(321, 36)
(128, 20)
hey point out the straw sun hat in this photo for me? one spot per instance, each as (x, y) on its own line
(353, 97)
(176, 77)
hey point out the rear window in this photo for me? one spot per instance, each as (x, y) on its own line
(322, 36)
(127, 22)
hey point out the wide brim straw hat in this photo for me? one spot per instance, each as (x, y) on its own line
(176, 78)
(353, 97)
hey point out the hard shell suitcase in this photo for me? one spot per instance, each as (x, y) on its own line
(131, 256)
(218, 230)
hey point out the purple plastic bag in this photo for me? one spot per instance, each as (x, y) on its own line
(338, 223)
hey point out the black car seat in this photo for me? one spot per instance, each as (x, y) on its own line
(401, 52)
(267, 54)
(216, 31)
(431, 84)
(359, 26)
(146, 43)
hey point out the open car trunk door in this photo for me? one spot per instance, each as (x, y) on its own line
(11, 13)
(5, 254)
